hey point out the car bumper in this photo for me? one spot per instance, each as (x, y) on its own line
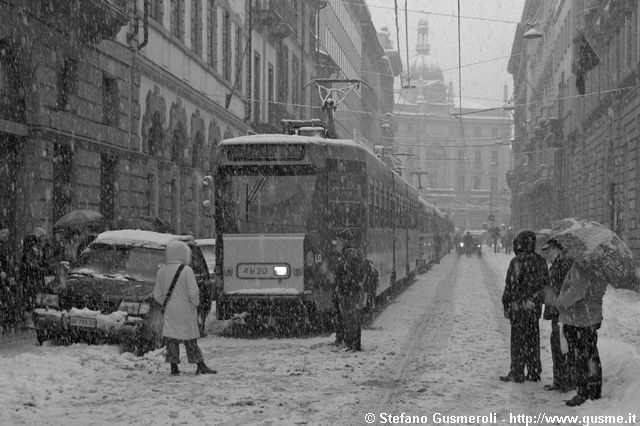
(53, 323)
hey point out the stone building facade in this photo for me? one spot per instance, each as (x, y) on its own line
(117, 106)
(458, 163)
(577, 128)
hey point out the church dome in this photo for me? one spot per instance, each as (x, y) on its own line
(422, 66)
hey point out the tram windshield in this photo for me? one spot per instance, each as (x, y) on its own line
(274, 200)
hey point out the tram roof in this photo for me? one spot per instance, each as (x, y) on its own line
(276, 138)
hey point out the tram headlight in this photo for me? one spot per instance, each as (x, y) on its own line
(281, 271)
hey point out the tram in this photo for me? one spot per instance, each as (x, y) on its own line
(280, 201)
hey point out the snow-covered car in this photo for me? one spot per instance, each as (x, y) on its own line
(106, 294)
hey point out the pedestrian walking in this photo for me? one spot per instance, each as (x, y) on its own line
(32, 270)
(560, 265)
(522, 299)
(468, 242)
(507, 240)
(580, 312)
(177, 291)
(9, 296)
(349, 274)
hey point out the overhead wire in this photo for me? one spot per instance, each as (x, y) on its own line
(460, 83)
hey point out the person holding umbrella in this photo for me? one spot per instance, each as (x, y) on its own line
(580, 311)
(600, 258)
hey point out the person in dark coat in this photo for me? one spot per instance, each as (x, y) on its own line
(507, 240)
(560, 265)
(9, 297)
(437, 244)
(32, 270)
(522, 299)
(468, 243)
(349, 274)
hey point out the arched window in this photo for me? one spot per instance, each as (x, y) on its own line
(198, 142)
(156, 134)
(177, 143)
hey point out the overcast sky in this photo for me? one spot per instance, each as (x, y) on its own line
(488, 38)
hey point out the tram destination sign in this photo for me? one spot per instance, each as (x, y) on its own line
(265, 152)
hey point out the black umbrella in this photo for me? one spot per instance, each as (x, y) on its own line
(80, 219)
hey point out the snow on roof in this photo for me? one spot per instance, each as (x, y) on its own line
(289, 139)
(141, 238)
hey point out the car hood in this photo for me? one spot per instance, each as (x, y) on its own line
(102, 293)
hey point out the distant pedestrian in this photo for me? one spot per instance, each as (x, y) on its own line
(560, 265)
(177, 291)
(349, 273)
(437, 243)
(32, 270)
(468, 243)
(526, 279)
(9, 292)
(580, 312)
(494, 232)
(507, 240)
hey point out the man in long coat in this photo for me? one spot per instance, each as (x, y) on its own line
(522, 299)
(349, 273)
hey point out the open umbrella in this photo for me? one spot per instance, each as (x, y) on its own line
(79, 219)
(597, 249)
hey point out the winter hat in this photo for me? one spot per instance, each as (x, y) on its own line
(553, 243)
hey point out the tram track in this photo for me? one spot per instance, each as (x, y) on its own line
(420, 330)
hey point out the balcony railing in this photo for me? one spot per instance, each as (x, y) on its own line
(90, 20)
(274, 17)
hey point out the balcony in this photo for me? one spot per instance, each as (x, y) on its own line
(89, 20)
(274, 17)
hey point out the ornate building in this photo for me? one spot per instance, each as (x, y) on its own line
(458, 163)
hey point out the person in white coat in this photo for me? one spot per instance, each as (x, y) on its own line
(180, 313)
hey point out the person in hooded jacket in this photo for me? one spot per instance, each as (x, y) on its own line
(181, 310)
(580, 312)
(522, 299)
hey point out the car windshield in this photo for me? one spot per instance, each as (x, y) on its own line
(130, 262)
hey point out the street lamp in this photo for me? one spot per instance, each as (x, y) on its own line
(420, 173)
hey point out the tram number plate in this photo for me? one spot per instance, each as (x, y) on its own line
(83, 322)
(255, 270)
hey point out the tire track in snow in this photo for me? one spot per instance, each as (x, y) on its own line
(422, 327)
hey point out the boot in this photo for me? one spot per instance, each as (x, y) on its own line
(174, 369)
(511, 378)
(203, 369)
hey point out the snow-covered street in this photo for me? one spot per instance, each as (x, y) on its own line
(439, 347)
